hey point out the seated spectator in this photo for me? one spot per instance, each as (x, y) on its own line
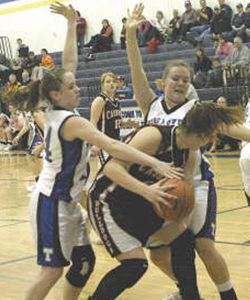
(47, 60)
(159, 90)
(160, 31)
(238, 24)
(81, 25)
(187, 20)
(201, 67)
(225, 49)
(31, 62)
(145, 33)
(22, 49)
(204, 18)
(101, 42)
(247, 22)
(174, 29)
(239, 62)
(214, 76)
(12, 85)
(123, 91)
(223, 140)
(123, 34)
(216, 23)
(26, 78)
(225, 16)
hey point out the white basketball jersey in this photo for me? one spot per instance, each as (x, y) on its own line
(159, 114)
(65, 165)
(247, 119)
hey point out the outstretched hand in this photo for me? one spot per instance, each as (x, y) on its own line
(168, 170)
(136, 18)
(67, 11)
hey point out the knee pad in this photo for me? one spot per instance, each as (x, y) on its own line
(131, 270)
(83, 262)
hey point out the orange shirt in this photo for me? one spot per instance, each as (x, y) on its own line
(47, 62)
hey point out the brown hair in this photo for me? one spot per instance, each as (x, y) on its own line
(104, 75)
(27, 98)
(206, 118)
(177, 63)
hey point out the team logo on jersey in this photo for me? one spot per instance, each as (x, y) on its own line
(163, 121)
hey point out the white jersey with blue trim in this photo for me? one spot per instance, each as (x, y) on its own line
(159, 114)
(66, 164)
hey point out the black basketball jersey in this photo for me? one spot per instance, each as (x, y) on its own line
(132, 205)
(111, 117)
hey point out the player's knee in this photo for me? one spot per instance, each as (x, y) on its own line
(206, 249)
(133, 270)
(51, 274)
(83, 262)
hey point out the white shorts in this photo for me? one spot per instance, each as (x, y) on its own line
(245, 167)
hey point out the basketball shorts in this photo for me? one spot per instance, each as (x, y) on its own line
(120, 230)
(58, 227)
(202, 220)
(245, 167)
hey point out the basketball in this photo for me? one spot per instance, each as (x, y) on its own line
(182, 206)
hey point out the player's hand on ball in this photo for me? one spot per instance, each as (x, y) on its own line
(168, 170)
(158, 193)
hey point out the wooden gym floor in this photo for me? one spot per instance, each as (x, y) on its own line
(17, 252)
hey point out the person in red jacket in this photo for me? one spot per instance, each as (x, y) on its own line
(80, 30)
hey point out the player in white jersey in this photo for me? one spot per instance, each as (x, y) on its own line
(245, 156)
(170, 109)
(56, 216)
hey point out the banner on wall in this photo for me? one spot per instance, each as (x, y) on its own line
(133, 113)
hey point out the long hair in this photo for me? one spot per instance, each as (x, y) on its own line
(27, 98)
(206, 118)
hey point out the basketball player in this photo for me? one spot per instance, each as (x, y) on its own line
(56, 215)
(106, 114)
(4, 123)
(124, 219)
(170, 110)
(245, 156)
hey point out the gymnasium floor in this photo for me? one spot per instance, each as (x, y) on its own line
(17, 253)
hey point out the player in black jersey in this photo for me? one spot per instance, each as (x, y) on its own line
(120, 206)
(106, 112)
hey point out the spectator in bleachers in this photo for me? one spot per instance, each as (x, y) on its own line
(26, 78)
(204, 18)
(187, 20)
(145, 33)
(81, 25)
(225, 15)
(247, 22)
(214, 76)
(123, 91)
(216, 23)
(201, 67)
(173, 29)
(101, 42)
(225, 49)
(123, 34)
(12, 85)
(31, 62)
(22, 49)
(159, 88)
(238, 24)
(47, 60)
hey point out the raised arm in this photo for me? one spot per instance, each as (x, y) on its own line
(77, 127)
(70, 57)
(143, 93)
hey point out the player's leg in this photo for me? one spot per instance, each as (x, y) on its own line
(245, 170)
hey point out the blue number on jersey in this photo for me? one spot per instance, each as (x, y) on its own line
(47, 146)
